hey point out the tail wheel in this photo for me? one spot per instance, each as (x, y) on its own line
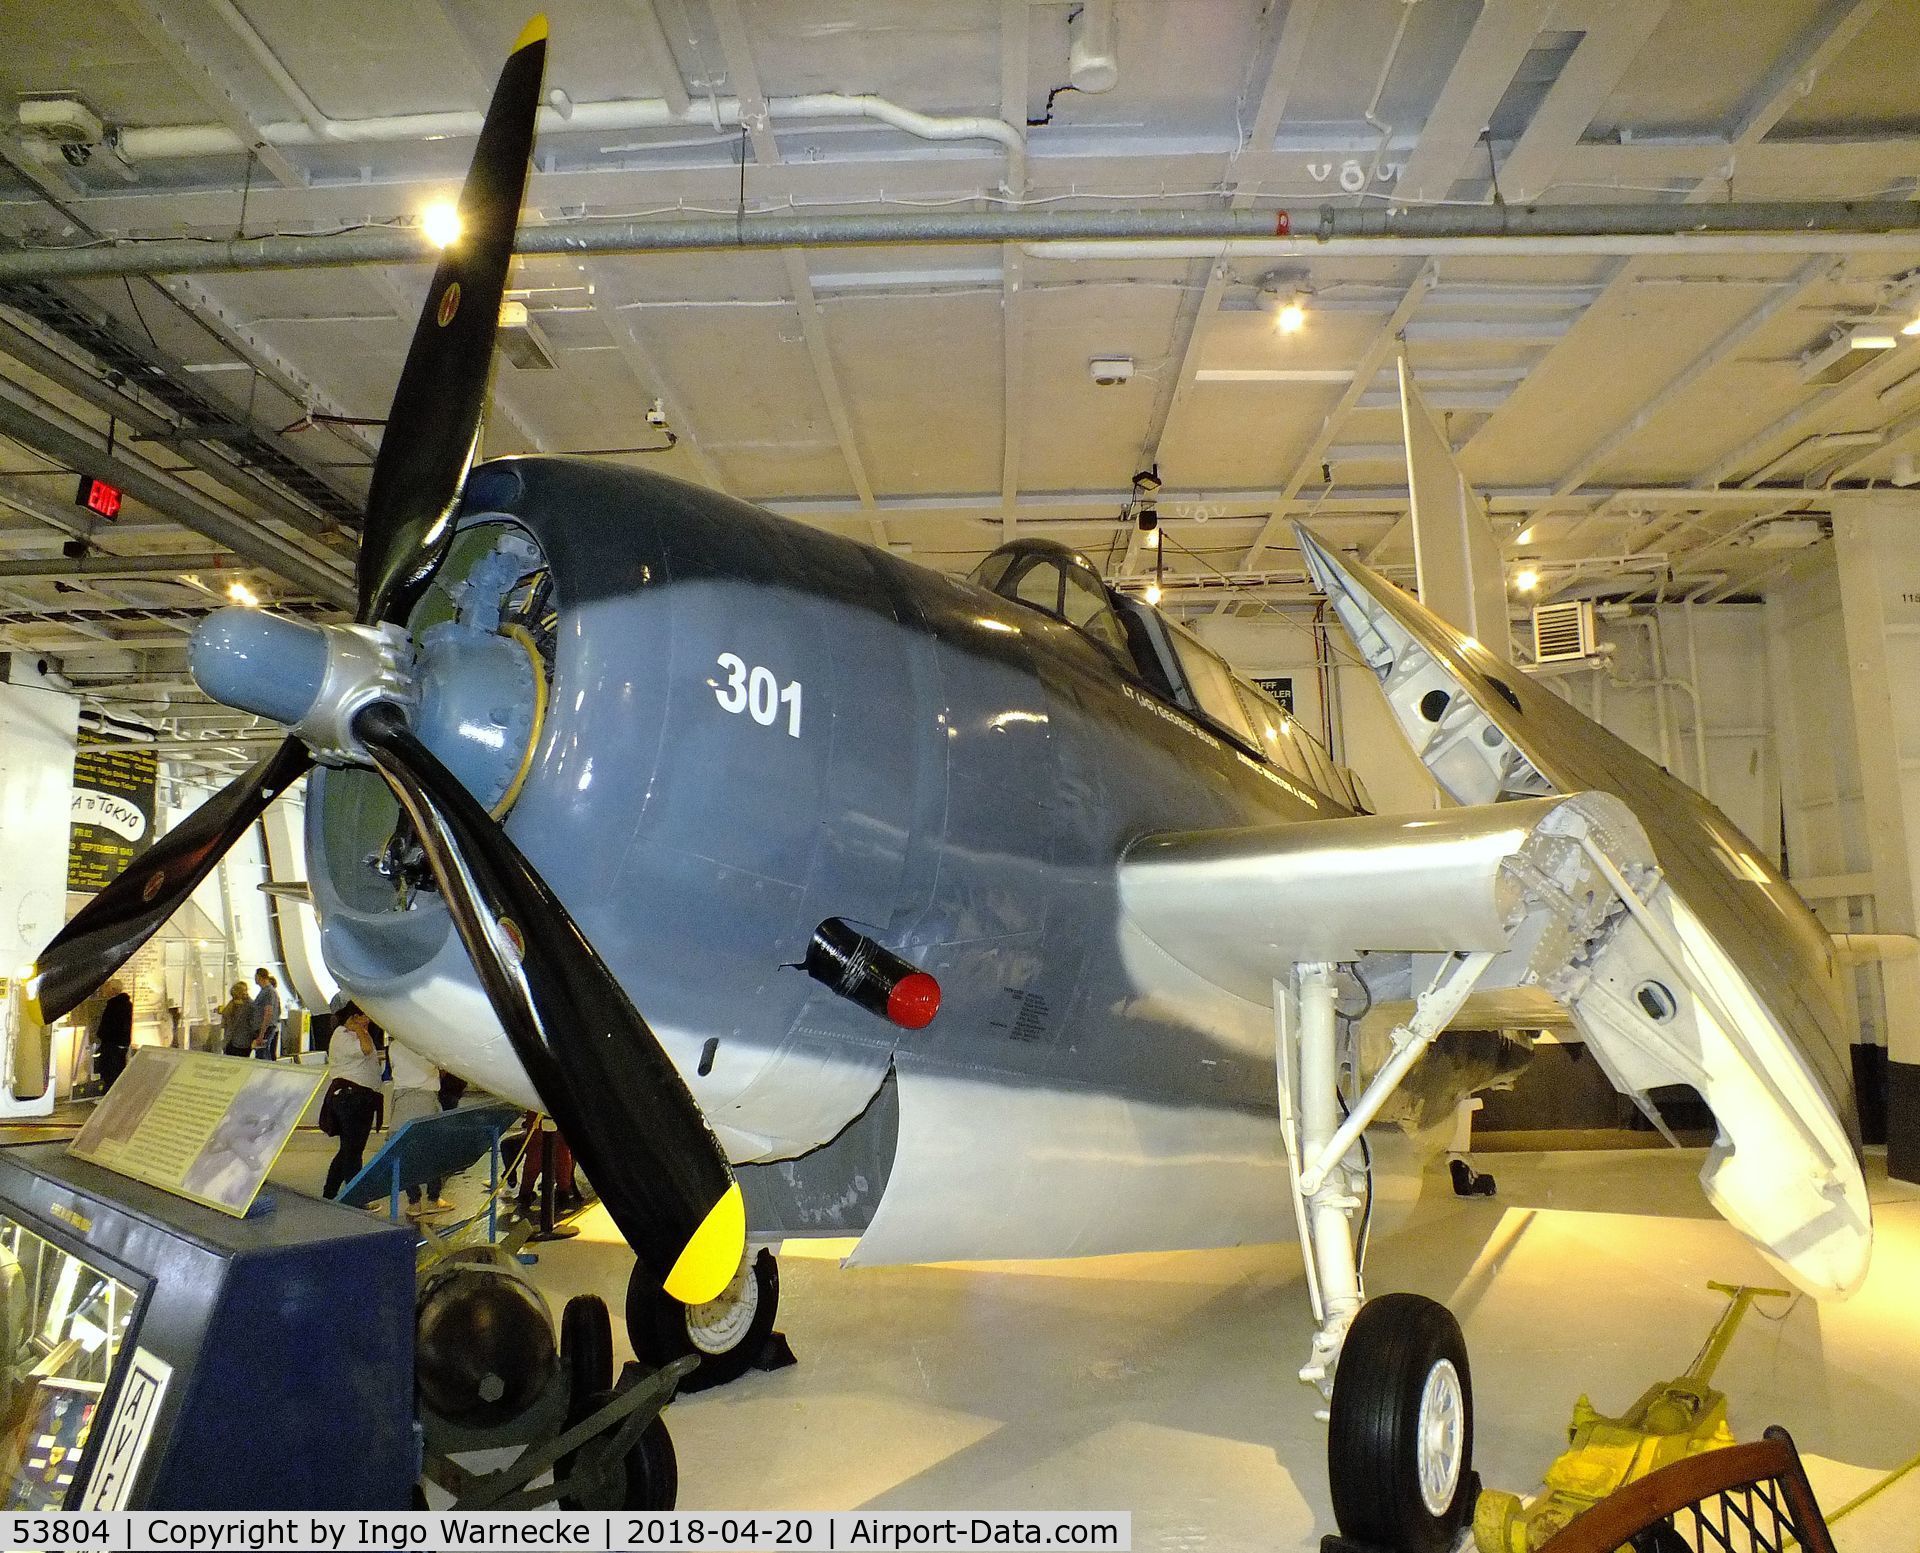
(1400, 1440)
(725, 1334)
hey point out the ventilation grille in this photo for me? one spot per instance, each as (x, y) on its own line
(1563, 631)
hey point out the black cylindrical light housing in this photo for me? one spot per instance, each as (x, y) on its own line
(852, 964)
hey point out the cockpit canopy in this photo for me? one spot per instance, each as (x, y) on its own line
(1057, 581)
(1164, 656)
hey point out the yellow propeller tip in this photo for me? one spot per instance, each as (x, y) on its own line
(534, 32)
(709, 1260)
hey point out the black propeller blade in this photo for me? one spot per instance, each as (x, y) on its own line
(595, 1063)
(613, 1091)
(416, 485)
(435, 419)
(109, 928)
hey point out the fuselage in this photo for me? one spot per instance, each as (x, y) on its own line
(753, 725)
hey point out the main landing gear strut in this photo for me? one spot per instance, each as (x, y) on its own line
(1400, 1418)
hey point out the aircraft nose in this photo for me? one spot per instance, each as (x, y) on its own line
(259, 662)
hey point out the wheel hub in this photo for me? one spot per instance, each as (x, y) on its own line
(721, 1324)
(1441, 1437)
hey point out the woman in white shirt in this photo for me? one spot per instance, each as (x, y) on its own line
(353, 1066)
(416, 1094)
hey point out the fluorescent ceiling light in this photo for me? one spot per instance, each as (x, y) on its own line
(1273, 375)
(1872, 337)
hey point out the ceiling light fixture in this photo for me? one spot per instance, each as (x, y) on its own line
(1152, 595)
(1526, 579)
(1872, 337)
(441, 222)
(1524, 537)
(1912, 325)
(1284, 294)
(242, 595)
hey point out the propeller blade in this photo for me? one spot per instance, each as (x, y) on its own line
(109, 928)
(434, 423)
(602, 1074)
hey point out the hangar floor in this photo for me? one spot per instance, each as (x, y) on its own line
(1164, 1384)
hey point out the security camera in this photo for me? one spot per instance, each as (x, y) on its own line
(1106, 371)
(657, 413)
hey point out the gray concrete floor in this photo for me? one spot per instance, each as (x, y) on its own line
(1165, 1384)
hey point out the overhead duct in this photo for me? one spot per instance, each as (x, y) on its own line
(177, 142)
(1783, 226)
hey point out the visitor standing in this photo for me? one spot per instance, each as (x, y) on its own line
(266, 1015)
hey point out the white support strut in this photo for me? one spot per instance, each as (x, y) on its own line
(1328, 1206)
(1437, 1005)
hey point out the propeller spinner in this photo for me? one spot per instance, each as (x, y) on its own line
(346, 692)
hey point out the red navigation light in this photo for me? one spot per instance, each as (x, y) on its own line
(98, 496)
(914, 1001)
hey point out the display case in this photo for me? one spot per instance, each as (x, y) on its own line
(162, 1355)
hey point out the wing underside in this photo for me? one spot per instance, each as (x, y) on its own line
(1677, 954)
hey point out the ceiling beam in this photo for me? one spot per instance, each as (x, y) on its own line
(1619, 30)
(1291, 29)
(1283, 69)
(1786, 294)
(1370, 363)
(142, 421)
(742, 75)
(1757, 449)
(98, 565)
(656, 54)
(193, 60)
(1501, 35)
(813, 330)
(33, 423)
(647, 374)
(1792, 75)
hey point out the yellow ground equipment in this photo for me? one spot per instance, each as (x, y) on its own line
(1674, 1419)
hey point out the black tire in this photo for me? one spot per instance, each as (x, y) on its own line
(660, 1327)
(651, 1480)
(586, 1349)
(1393, 1357)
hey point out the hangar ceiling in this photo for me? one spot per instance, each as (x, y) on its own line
(1638, 416)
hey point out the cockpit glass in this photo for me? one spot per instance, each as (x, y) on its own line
(1039, 585)
(989, 572)
(1059, 582)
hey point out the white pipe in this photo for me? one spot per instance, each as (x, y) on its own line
(177, 141)
(1372, 114)
(1621, 244)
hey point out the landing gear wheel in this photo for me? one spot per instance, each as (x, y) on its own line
(586, 1349)
(650, 1472)
(725, 1334)
(1400, 1440)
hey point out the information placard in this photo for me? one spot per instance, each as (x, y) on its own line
(204, 1127)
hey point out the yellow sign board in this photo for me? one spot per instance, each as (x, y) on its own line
(204, 1127)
